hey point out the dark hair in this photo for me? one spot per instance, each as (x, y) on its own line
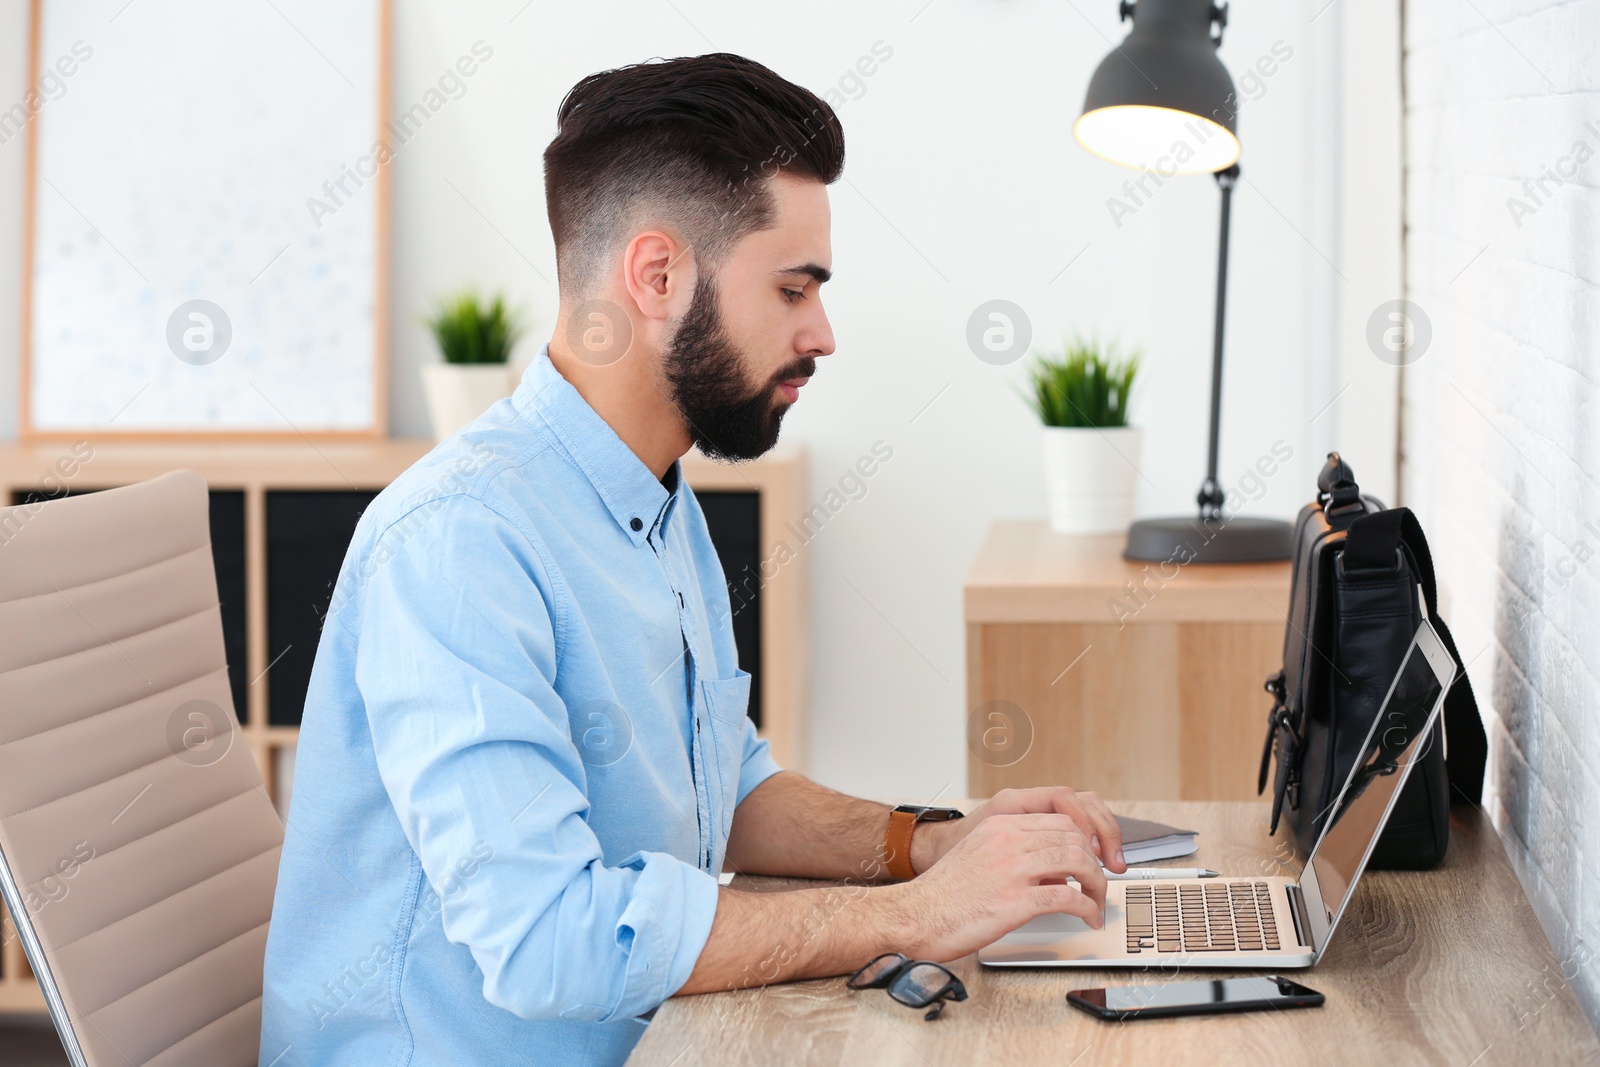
(691, 141)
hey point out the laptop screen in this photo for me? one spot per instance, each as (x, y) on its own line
(1397, 739)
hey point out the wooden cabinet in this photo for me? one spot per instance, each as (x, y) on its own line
(1135, 680)
(282, 515)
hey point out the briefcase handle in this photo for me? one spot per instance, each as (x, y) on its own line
(1336, 485)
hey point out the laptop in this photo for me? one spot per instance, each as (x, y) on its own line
(1267, 922)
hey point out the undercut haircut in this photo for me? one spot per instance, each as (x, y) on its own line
(689, 143)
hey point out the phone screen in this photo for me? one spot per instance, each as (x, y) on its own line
(1195, 998)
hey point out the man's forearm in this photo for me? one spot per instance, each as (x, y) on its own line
(763, 937)
(790, 825)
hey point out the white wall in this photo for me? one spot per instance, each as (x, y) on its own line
(963, 184)
(1502, 454)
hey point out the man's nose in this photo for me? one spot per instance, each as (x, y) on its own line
(818, 340)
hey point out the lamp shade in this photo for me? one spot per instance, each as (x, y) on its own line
(1163, 101)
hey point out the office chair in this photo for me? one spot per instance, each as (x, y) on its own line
(138, 850)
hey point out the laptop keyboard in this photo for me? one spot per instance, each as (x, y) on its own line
(1189, 917)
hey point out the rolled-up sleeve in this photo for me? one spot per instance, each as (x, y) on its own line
(456, 668)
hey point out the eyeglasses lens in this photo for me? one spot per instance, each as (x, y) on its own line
(876, 972)
(919, 984)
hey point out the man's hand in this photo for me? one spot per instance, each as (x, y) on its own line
(1087, 811)
(1007, 869)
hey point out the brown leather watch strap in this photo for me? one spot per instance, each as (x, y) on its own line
(897, 843)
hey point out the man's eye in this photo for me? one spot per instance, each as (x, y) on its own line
(792, 295)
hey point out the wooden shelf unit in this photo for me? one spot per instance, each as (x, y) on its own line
(259, 468)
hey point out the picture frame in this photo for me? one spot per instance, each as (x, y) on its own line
(243, 253)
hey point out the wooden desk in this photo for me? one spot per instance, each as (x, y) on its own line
(1443, 967)
(1139, 680)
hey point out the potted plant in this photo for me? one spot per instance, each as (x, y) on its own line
(476, 340)
(1090, 451)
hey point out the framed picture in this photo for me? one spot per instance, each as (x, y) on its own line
(231, 279)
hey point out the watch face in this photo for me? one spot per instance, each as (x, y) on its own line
(925, 813)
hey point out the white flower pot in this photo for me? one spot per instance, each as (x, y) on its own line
(457, 393)
(1091, 477)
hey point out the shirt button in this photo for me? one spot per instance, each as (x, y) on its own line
(637, 523)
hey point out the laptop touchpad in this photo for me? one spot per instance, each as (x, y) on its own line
(1058, 924)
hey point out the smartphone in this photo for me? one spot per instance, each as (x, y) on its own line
(1256, 993)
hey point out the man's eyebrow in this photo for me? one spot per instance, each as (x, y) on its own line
(821, 274)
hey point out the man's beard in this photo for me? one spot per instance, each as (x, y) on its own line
(727, 419)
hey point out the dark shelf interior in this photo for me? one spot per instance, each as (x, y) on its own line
(734, 521)
(308, 532)
(227, 552)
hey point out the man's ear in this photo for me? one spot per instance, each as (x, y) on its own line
(659, 274)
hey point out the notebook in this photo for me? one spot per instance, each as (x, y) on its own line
(1144, 840)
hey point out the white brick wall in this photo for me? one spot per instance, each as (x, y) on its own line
(1501, 420)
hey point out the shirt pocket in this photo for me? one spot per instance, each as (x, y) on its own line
(729, 702)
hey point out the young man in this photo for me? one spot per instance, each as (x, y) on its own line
(525, 753)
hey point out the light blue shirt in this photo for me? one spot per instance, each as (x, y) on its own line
(524, 740)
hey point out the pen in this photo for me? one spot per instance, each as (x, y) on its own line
(1162, 872)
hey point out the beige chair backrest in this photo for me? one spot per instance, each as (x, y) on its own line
(138, 850)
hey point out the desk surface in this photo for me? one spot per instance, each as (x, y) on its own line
(1446, 966)
(1026, 573)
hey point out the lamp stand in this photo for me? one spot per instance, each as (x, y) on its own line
(1212, 537)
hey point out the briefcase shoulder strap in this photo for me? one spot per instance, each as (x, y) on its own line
(1372, 543)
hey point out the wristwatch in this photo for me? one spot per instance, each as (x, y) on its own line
(903, 820)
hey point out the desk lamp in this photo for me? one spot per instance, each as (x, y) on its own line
(1163, 102)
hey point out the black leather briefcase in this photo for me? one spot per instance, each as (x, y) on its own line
(1361, 583)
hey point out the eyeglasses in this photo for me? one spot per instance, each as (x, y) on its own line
(914, 983)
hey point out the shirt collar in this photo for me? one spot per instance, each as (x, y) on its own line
(634, 496)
